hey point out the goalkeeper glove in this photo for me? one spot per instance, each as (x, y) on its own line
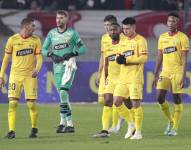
(69, 55)
(55, 58)
(120, 59)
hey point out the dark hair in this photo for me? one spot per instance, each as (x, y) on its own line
(115, 24)
(110, 18)
(174, 14)
(26, 21)
(62, 12)
(129, 20)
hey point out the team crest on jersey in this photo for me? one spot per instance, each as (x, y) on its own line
(24, 52)
(61, 46)
(128, 53)
(112, 57)
(169, 50)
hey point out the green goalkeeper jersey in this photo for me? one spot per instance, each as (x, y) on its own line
(62, 43)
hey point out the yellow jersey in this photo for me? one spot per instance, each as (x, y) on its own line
(111, 51)
(23, 52)
(171, 47)
(134, 48)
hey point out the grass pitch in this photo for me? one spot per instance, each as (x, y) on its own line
(87, 121)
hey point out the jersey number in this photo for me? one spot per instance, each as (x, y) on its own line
(12, 86)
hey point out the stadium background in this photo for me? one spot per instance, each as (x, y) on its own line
(89, 23)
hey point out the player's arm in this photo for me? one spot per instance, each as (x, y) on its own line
(46, 45)
(136, 61)
(157, 67)
(141, 56)
(184, 63)
(184, 55)
(38, 55)
(4, 68)
(80, 47)
(101, 64)
(6, 58)
(106, 67)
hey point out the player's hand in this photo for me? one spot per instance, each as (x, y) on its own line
(34, 74)
(98, 79)
(120, 59)
(69, 55)
(154, 83)
(55, 58)
(1, 82)
(182, 83)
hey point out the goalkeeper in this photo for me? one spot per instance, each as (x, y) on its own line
(64, 44)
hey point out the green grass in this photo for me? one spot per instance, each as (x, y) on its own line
(87, 120)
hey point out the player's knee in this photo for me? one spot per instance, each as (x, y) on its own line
(64, 95)
(31, 105)
(160, 99)
(177, 98)
(128, 103)
(108, 100)
(13, 104)
(117, 101)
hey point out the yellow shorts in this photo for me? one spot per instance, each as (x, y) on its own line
(134, 91)
(110, 84)
(101, 90)
(170, 82)
(18, 83)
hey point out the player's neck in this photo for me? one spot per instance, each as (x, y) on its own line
(61, 29)
(171, 33)
(24, 34)
(115, 42)
(131, 36)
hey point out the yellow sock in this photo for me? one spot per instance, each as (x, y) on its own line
(165, 108)
(115, 116)
(33, 113)
(12, 114)
(124, 113)
(138, 118)
(106, 117)
(178, 108)
(132, 112)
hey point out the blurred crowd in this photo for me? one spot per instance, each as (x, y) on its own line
(93, 4)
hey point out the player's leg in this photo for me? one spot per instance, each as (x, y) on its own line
(30, 89)
(135, 92)
(178, 106)
(101, 90)
(14, 91)
(107, 109)
(163, 85)
(128, 104)
(120, 94)
(138, 114)
(66, 83)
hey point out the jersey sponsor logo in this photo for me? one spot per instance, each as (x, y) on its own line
(24, 52)
(61, 46)
(112, 57)
(128, 53)
(169, 50)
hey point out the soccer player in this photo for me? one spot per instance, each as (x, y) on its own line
(65, 44)
(25, 50)
(173, 47)
(105, 40)
(130, 81)
(112, 70)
